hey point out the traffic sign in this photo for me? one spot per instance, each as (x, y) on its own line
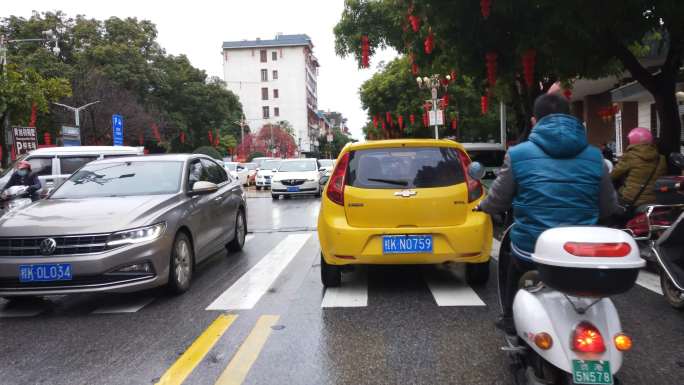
(117, 130)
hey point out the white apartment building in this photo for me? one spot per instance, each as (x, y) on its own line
(275, 80)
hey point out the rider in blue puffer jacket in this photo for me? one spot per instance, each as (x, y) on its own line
(554, 179)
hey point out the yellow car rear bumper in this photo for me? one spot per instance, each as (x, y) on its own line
(342, 244)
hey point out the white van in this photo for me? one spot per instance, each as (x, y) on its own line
(53, 165)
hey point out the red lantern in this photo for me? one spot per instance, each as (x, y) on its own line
(400, 120)
(429, 43)
(211, 137)
(483, 104)
(415, 22)
(412, 119)
(47, 138)
(486, 8)
(34, 115)
(454, 123)
(426, 119)
(375, 121)
(182, 137)
(445, 101)
(490, 61)
(567, 93)
(388, 117)
(217, 139)
(453, 75)
(528, 61)
(414, 69)
(365, 52)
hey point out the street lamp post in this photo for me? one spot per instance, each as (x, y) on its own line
(77, 110)
(4, 43)
(433, 83)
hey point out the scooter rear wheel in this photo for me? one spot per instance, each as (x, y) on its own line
(674, 296)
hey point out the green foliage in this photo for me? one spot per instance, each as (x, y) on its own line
(209, 151)
(119, 62)
(255, 154)
(331, 150)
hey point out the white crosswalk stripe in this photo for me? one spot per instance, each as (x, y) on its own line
(247, 290)
(352, 292)
(649, 281)
(448, 290)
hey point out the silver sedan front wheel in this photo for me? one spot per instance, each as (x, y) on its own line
(182, 259)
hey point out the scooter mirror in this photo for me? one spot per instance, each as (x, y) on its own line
(476, 170)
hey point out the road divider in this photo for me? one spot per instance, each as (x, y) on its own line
(187, 362)
(238, 367)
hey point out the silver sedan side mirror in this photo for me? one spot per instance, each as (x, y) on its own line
(203, 187)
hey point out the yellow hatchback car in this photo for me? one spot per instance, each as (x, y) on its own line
(404, 202)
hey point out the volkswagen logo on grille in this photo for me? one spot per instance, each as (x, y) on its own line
(48, 246)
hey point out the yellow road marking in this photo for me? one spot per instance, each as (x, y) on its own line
(187, 362)
(236, 371)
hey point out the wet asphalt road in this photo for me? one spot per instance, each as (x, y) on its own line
(385, 328)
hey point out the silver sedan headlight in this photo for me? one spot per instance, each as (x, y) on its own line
(139, 235)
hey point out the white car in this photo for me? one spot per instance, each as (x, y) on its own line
(326, 164)
(296, 177)
(265, 172)
(251, 172)
(236, 171)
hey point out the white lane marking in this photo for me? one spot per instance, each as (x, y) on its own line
(496, 246)
(249, 237)
(349, 294)
(247, 290)
(130, 306)
(12, 309)
(451, 292)
(649, 281)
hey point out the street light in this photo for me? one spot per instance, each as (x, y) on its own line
(433, 83)
(76, 110)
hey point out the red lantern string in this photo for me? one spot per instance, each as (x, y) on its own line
(567, 93)
(490, 61)
(426, 119)
(217, 139)
(415, 22)
(388, 117)
(528, 62)
(453, 75)
(486, 8)
(34, 115)
(429, 43)
(384, 129)
(47, 138)
(400, 120)
(414, 69)
(412, 119)
(454, 123)
(483, 104)
(375, 121)
(365, 52)
(182, 137)
(211, 137)
(445, 101)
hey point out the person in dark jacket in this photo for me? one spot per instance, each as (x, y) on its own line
(24, 177)
(554, 178)
(638, 169)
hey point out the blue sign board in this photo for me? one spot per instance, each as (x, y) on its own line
(117, 130)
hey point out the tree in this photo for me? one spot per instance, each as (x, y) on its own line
(119, 62)
(331, 150)
(209, 151)
(277, 140)
(570, 39)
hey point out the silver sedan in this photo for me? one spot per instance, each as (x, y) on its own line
(123, 225)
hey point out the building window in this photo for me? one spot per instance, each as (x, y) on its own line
(264, 75)
(264, 55)
(264, 93)
(276, 111)
(265, 112)
(275, 74)
(274, 55)
(275, 94)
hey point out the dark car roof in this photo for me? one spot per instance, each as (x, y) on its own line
(152, 158)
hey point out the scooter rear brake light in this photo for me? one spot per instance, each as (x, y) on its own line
(587, 339)
(587, 249)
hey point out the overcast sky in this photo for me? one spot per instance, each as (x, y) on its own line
(197, 29)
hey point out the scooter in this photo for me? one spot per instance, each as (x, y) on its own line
(567, 329)
(15, 198)
(669, 252)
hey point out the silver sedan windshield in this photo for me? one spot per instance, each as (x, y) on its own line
(122, 179)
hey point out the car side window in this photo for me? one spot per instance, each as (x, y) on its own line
(69, 165)
(196, 173)
(216, 173)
